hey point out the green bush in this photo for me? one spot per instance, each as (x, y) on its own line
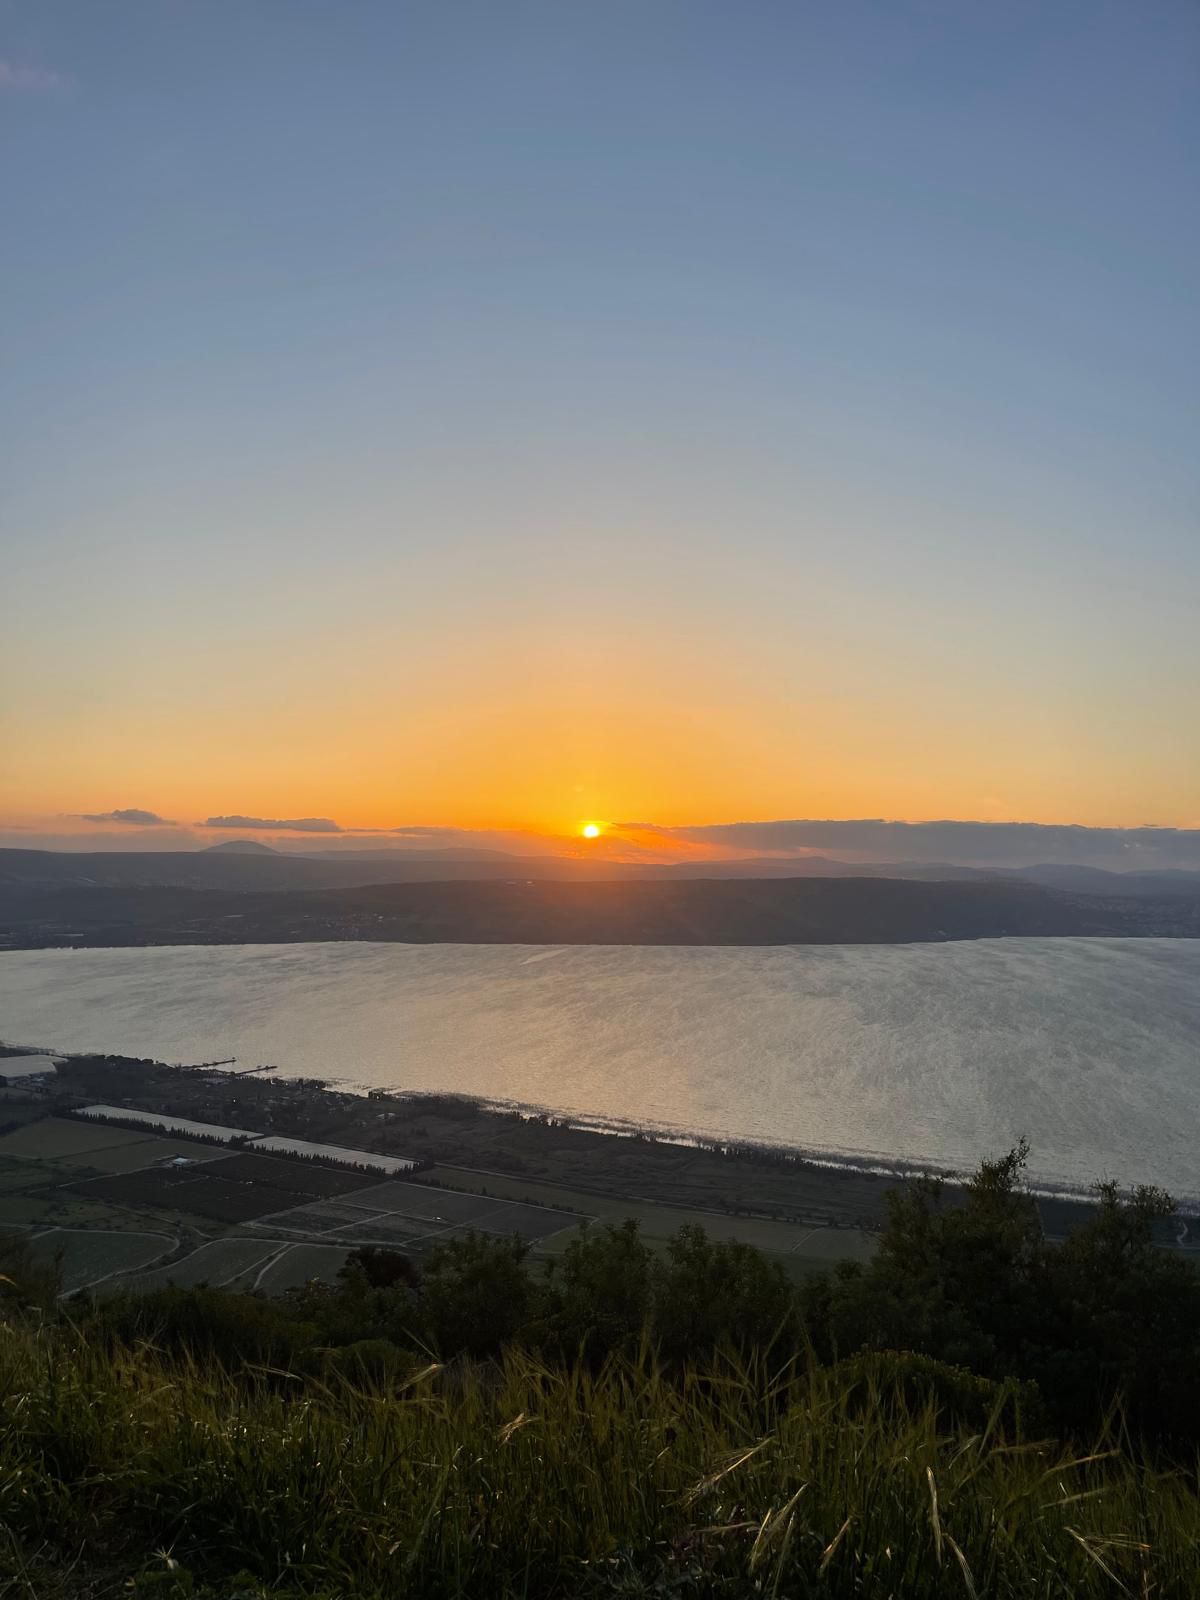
(906, 1382)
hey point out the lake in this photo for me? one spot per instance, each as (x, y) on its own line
(920, 1053)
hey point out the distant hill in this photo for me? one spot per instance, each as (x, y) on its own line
(245, 865)
(1096, 880)
(239, 847)
(371, 853)
(545, 911)
(248, 869)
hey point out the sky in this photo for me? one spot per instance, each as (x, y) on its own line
(498, 417)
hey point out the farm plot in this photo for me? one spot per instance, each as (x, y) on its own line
(89, 1255)
(81, 1144)
(188, 1189)
(484, 1213)
(59, 1138)
(221, 1261)
(294, 1177)
(20, 1210)
(411, 1214)
(28, 1174)
(358, 1224)
(384, 1227)
(299, 1264)
(143, 1153)
(795, 1242)
(421, 1201)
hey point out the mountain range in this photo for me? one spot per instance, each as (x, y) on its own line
(249, 866)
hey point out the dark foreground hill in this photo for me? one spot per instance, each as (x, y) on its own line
(973, 1414)
(695, 912)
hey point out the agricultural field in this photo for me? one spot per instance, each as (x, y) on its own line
(300, 1263)
(801, 1244)
(81, 1144)
(293, 1177)
(27, 1173)
(486, 1213)
(188, 1189)
(221, 1261)
(23, 1211)
(318, 1216)
(421, 1201)
(15, 1113)
(91, 1255)
(369, 1160)
(41, 1183)
(403, 1214)
(142, 1154)
(230, 1188)
(268, 1265)
(60, 1138)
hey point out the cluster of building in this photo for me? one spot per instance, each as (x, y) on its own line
(27, 1077)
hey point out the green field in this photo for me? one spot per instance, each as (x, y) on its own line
(219, 1262)
(492, 1214)
(88, 1255)
(409, 1215)
(797, 1241)
(269, 1265)
(61, 1137)
(80, 1144)
(144, 1153)
(19, 1210)
(28, 1173)
(301, 1262)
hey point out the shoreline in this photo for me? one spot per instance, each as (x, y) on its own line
(204, 940)
(658, 1166)
(517, 910)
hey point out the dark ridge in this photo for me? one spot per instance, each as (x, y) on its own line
(240, 847)
(526, 911)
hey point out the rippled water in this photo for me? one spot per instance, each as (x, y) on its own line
(928, 1053)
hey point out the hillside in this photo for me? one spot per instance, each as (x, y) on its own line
(972, 1413)
(690, 912)
(248, 865)
(134, 1474)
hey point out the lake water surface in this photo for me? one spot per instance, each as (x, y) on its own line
(921, 1053)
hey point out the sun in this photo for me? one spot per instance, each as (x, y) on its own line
(590, 830)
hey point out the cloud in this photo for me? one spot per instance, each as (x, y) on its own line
(16, 78)
(275, 824)
(132, 816)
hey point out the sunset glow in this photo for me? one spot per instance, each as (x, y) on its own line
(743, 460)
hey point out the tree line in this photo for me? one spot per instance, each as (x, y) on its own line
(962, 1281)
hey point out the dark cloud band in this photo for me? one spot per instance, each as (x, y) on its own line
(131, 817)
(275, 824)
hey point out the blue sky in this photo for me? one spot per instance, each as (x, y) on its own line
(379, 370)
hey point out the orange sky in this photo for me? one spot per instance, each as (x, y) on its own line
(570, 425)
(687, 720)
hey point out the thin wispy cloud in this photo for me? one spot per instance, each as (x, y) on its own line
(130, 816)
(17, 77)
(275, 824)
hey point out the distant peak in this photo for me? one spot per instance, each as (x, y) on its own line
(240, 847)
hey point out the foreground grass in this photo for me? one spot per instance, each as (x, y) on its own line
(121, 1472)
